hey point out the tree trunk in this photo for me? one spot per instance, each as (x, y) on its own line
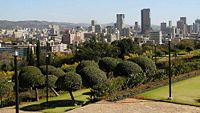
(73, 100)
(36, 94)
(1, 101)
(54, 91)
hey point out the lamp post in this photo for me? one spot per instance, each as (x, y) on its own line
(16, 82)
(47, 78)
(170, 89)
(155, 52)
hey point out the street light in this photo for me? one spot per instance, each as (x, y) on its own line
(47, 78)
(16, 82)
(155, 53)
(170, 90)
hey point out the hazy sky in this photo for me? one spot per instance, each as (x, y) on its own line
(103, 11)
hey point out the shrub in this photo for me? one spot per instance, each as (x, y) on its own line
(108, 64)
(109, 87)
(127, 69)
(52, 70)
(135, 80)
(92, 76)
(52, 80)
(147, 65)
(86, 63)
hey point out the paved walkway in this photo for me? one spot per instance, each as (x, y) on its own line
(129, 105)
(135, 106)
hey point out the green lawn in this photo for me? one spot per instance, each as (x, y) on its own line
(184, 92)
(58, 104)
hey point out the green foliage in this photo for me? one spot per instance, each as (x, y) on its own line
(6, 67)
(52, 70)
(52, 80)
(93, 50)
(135, 80)
(186, 43)
(31, 76)
(127, 46)
(147, 65)
(92, 76)
(38, 51)
(108, 64)
(5, 87)
(109, 87)
(69, 82)
(86, 63)
(127, 69)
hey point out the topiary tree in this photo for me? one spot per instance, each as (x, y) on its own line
(108, 64)
(6, 67)
(31, 77)
(86, 63)
(52, 70)
(5, 88)
(128, 69)
(92, 76)
(69, 82)
(147, 65)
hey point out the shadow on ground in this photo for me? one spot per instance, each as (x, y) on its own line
(52, 104)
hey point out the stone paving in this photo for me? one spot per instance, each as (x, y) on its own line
(129, 105)
(135, 106)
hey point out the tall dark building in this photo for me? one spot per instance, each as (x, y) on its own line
(120, 22)
(145, 20)
(183, 19)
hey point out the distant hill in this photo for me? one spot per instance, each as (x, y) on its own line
(5, 24)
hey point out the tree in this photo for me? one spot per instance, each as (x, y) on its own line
(92, 76)
(108, 64)
(127, 46)
(86, 63)
(38, 51)
(6, 67)
(31, 77)
(52, 70)
(69, 82)
(94, 50)
(147, 65)
(127, 69)
(5, 88)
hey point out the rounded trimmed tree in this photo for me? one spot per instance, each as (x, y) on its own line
(147, 65)
(92, 76)
(86, 63)
(69, 82)
(52, 70)
(108, 64)
(31, 77)
(128, 69)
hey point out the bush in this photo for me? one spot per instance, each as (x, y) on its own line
(127, 69)
(135, 80)
(52, 80)
(108, 64)
(86, 63)
(147, 65)
(52, 70)
(109, 87)
(92, 76)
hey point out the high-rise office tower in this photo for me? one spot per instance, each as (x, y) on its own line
(93, 22)
(120, 22)
(136, 27)
(163, 27)
(183, 19)
(170, 24)
(145, 20)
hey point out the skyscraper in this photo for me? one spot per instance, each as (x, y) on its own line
(120, 22)
(145, 20)
(163, 27)
(183, 19)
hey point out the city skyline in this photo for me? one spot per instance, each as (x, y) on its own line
(104, 11)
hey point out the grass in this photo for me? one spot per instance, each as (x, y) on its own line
(58, 104)
(183, 92)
